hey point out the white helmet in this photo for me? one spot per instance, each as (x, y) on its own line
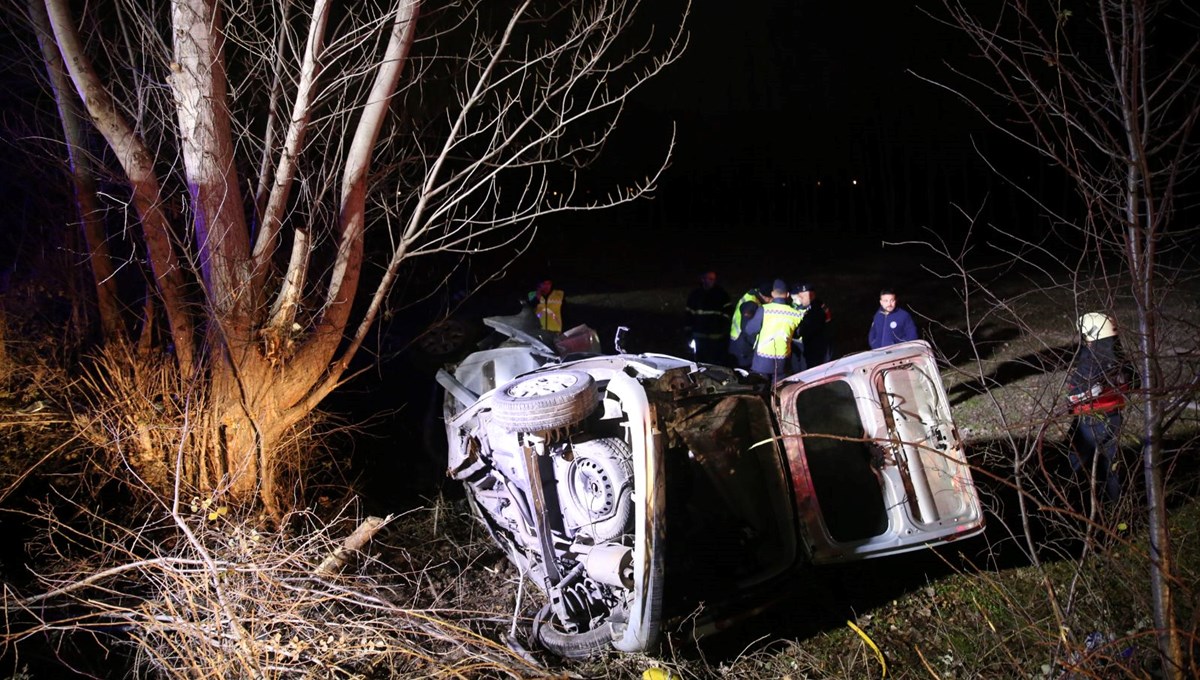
(1096, 326)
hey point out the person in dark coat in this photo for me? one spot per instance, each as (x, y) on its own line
(816, 336)
(892, 324)
(708, 315)
(1096, 388)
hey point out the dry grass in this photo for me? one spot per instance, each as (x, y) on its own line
(199, 592)
(116, 580)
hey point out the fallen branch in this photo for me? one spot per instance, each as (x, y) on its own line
(354, 542)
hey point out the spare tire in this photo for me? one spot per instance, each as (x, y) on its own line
(595, 491)
(545, 401)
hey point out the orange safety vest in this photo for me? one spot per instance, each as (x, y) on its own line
(549, 311)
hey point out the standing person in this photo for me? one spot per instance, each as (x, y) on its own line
(1096, 390)
(708, 317)
(547, 302)
(774, 329)
(892, 324)
(741, 345)
(816, 338)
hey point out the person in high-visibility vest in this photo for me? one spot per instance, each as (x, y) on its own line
(774, 329)
(741, 345)
(547, 302)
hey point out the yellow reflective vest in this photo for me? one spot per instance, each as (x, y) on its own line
(735, 328)
(779, 324)
(549, 311)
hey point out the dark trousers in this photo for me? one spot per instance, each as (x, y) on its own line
(773, 369)
(741, 350)
(1097, 434)
(798, 363)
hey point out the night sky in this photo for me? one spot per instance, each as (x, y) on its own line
(791, 85)
(775, 96)
(801, 135)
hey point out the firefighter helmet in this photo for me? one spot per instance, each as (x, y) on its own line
(1096, 326)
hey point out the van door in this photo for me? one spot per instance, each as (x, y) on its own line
(876, 462)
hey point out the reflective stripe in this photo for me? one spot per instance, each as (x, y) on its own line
(1098, 399)
(549, 311)
(779, 324)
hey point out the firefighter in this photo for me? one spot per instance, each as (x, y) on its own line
(774, 329)
(1096, 389)
(708, 308)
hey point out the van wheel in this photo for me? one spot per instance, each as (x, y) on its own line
(545, 401)
(570, 645)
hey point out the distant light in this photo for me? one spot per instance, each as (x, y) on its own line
(854, 181)
(818, 182)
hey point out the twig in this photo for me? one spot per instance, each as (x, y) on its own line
(336, 561)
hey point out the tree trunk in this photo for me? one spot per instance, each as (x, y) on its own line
(215, 200)
(82, 178)
(1141, 261)
(255, 401)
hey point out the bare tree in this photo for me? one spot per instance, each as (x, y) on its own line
(1107, 93)
(266, 146)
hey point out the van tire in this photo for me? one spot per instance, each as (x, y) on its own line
(571, 645)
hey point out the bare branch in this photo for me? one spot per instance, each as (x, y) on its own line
(137, 162)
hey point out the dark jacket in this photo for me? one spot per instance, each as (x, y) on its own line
(890, 329)
(708, 313)
(816, 334)
(1099, 378)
